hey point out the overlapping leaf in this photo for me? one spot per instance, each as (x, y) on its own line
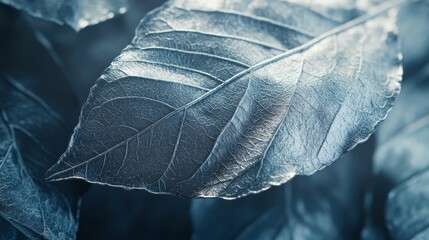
(326, 205)
(227, 98)
(36, 114)
(400, 195)
(78, 13)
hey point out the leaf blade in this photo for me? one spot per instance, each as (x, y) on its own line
(219, 114)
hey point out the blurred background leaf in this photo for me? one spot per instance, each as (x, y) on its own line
(399, 197)
(413, 22)
(326, 205)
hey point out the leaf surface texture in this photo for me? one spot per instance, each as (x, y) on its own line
(223, 99)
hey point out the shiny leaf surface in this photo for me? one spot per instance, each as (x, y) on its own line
(225, 99)
(77, 14)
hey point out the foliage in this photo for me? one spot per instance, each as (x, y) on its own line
(240, 100)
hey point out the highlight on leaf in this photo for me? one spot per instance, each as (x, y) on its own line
(78, 14)
(223, 99)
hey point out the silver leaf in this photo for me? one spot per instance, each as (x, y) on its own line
(223, 99)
